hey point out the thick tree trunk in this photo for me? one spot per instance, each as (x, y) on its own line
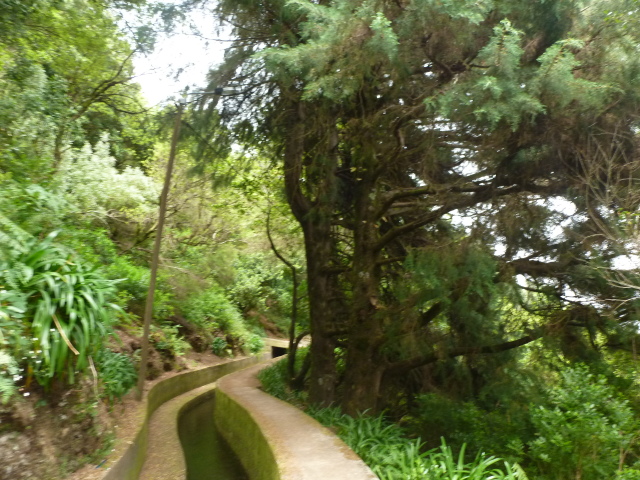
(364, 366)
(323, 313)
(364, 363)
(314, 210)
(363, 377)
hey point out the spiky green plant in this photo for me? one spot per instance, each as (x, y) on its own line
(60, 304)
(392, 456)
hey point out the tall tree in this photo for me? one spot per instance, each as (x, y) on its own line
(442, 143)
(65, 84)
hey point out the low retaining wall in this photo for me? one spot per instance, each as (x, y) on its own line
(276, 441)
(129, 465)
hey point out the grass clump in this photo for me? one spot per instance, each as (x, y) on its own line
(392, 456)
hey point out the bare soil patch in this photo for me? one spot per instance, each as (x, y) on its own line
(45, 436)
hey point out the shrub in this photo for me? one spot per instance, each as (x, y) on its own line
(133, 279)
(92, 181)
(212, 310)
(166, 338)
(586, 431)
(62, 304)
(219, 346)
(392, 456)
(254, 343)
(254, 281)
(500, 431)
(117, 372)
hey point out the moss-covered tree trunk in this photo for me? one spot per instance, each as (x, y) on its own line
(364, 362)
(313, 208)
(323, 314)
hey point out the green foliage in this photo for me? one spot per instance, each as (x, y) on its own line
(329, 31)
(255, 279)
(274, 379)
(502, 430)
(467, 270)
(581, 427)
(219, 346)
(457, 282)
(63, 84)
(166, 338)
(28, 136)
(264, 286)
(9, 374)
(254, 343)
(392, 456)
(497, 94)
(586, 431)
(117, 372)
(212, 310)
(135, 279)
(92, 182)
(557, 84)
(34, 208)
(409, 463)
(62, 304)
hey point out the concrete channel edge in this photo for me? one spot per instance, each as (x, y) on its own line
(130, 463)
(275, 440)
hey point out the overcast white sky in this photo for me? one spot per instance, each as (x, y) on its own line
(179, 60)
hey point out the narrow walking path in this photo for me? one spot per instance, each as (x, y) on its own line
(160, 410)
(275, 440)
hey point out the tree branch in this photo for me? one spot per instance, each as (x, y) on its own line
(482, 195)
(415, 362)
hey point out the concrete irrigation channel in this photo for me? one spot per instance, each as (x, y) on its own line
(215, 423)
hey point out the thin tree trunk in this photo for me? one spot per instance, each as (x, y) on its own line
(148, 311)
(293, 344)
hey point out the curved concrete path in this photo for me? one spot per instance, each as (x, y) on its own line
(276, 441)
(129, 455)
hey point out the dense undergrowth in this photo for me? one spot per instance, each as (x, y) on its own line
(392, 455)
(581, 424)
(387, 448)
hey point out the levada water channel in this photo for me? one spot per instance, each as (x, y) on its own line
(207, 455)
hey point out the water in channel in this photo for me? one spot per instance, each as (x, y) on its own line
(207, 455)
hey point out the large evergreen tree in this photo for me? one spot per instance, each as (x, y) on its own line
(445, 160)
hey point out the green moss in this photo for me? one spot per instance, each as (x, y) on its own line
(241, 431)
